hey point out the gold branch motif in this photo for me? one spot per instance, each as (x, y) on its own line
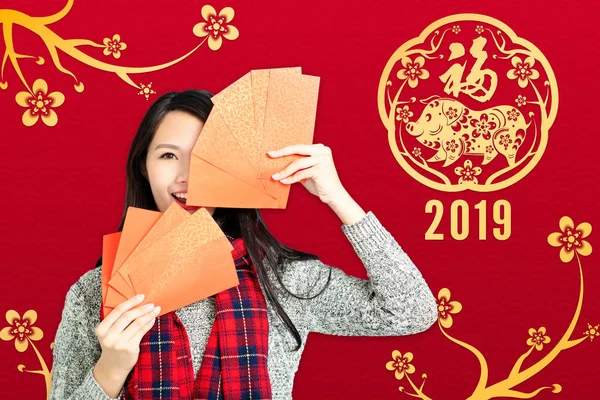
(570, 240)
(24, 334)
(40, 103)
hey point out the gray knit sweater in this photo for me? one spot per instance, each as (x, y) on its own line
(395, 301)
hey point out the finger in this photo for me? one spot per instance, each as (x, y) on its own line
(137, 337)
(304, 149)
(123, 322)
(303, 174)
(116, 313)
(301, 163)
(138, 324)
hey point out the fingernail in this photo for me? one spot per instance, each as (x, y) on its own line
(157, 310)
(139, 297)
(275, 176)
(148, 306)
(271, 152)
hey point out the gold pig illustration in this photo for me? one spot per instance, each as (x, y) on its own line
(452, 129)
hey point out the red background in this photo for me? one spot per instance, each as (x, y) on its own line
(63, 187)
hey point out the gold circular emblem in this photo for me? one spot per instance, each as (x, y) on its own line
(467, 104)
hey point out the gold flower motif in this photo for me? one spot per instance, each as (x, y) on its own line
(483, 126)
(505, 141)
(40, 103)
(538, 338)
(21, 329)
(570, 239)
(467, 173)
(452, 113)
(404, 114)
(146, 91)
(114, 46)
(400, 364)
(521, 100)
(451, 145)
(447, 307)
(513, 114)
(523, 71)
(416, 152)
(592, 331)
(217, 26)
(456, 29)
(479, 29)
(413, 71)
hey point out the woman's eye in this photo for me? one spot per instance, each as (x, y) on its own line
(166, 154)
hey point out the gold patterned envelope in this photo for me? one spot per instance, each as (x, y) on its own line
(225, 169)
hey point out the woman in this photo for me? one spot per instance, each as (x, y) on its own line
(195, 352)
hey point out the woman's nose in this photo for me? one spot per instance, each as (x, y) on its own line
(184, 171)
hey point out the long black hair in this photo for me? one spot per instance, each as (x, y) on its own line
(246, 223)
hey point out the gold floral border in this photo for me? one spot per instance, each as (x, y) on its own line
(572, 245)
(39, 103)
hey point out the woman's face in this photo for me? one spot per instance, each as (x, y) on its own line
(168, 158)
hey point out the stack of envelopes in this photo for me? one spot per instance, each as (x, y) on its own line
(174, 258)
(262, 111)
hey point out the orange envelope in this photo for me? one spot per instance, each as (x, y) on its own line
(180, 259)
(173, 216)
(110, 243)
(289, 117)
(260, 87)
(243, 105)
(214, 187)
(138, 222)
(217, 146)
(226, 162)
(197, 272)
(237, 118)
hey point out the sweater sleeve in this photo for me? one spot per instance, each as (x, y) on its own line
(76, 351)
(394, 301)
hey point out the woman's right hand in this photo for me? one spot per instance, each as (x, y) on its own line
(119, 335)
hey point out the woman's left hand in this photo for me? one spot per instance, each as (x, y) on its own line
(317, 172)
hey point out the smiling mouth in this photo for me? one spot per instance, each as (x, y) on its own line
(179, 199)
(183, 203)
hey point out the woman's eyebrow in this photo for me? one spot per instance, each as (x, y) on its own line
(167, 145)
